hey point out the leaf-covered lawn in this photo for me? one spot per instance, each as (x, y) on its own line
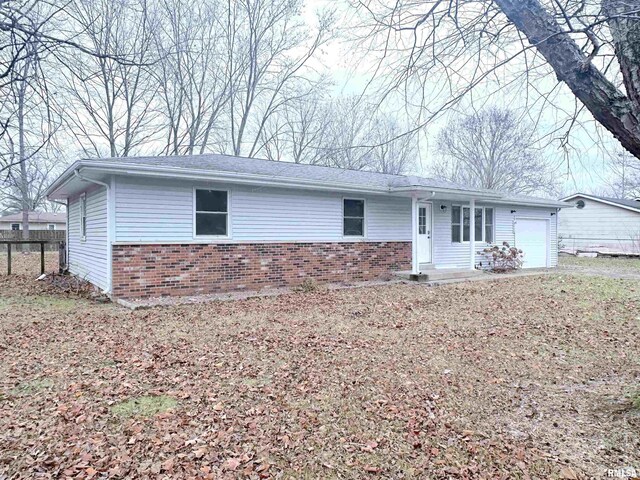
(531, 377)
(28, 263)
(605, 264)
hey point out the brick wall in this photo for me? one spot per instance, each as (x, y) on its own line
(160, 270)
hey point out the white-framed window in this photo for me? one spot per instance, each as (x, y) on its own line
(488, 224)
(15, 226)
(353, 217)
(211, 213)
(51, 226)
(456, 219)
(466, 223)
(83, 216)
(461, 224)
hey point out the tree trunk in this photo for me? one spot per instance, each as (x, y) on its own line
(24, 179)
(625, 31)
(608, 105)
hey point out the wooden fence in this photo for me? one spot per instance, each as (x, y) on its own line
(54, 236)
(41, 245)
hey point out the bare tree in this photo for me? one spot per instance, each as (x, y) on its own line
(193, 74)
(492, 149)
(347, 141)
(299, 131)
(29, 27)
(396, 153)
(339, 132)
(449, 48)
(359, 140)
(111, 103)
(29, 129)
(625, 176)
(269, 49)
(25, 190)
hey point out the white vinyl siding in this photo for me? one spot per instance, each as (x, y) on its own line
(161, 210)
(447, 254)
(158, 211)
(88, 258)
(599, 224)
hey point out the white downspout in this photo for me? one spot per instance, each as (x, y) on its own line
(109, 192)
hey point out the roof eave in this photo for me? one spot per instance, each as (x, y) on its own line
(606, 202)
(534, 203)
(457, 191)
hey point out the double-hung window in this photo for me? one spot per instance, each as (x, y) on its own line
(353, 218)
(461, 224)
(15, 226)
(488, 225)
(466, 223)
(456, 218)
(83, 216)
(51, 226)
(212, 213)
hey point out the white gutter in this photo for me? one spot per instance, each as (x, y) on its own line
(110, 224)
(435, 190)
(532, 203)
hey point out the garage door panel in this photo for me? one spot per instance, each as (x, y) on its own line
(532, 238)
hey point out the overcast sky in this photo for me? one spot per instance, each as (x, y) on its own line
(581, 166)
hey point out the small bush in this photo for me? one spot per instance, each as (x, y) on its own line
(503, 259)
(308, 286)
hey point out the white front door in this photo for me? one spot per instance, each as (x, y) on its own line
(424, 233)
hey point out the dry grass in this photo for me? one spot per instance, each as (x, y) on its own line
(532, 377)
(614, 264)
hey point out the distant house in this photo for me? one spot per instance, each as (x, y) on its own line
(154, 226)
(37, 221)
(605, 222)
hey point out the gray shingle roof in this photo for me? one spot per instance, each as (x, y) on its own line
(289, 172)
(254, 166)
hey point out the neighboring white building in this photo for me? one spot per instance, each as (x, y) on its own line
(37, 221)
(604, 222)
(151, 226)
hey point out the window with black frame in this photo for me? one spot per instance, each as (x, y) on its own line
(212, 213)
(353, 217)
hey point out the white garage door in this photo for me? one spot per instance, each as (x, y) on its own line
(532, 238)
